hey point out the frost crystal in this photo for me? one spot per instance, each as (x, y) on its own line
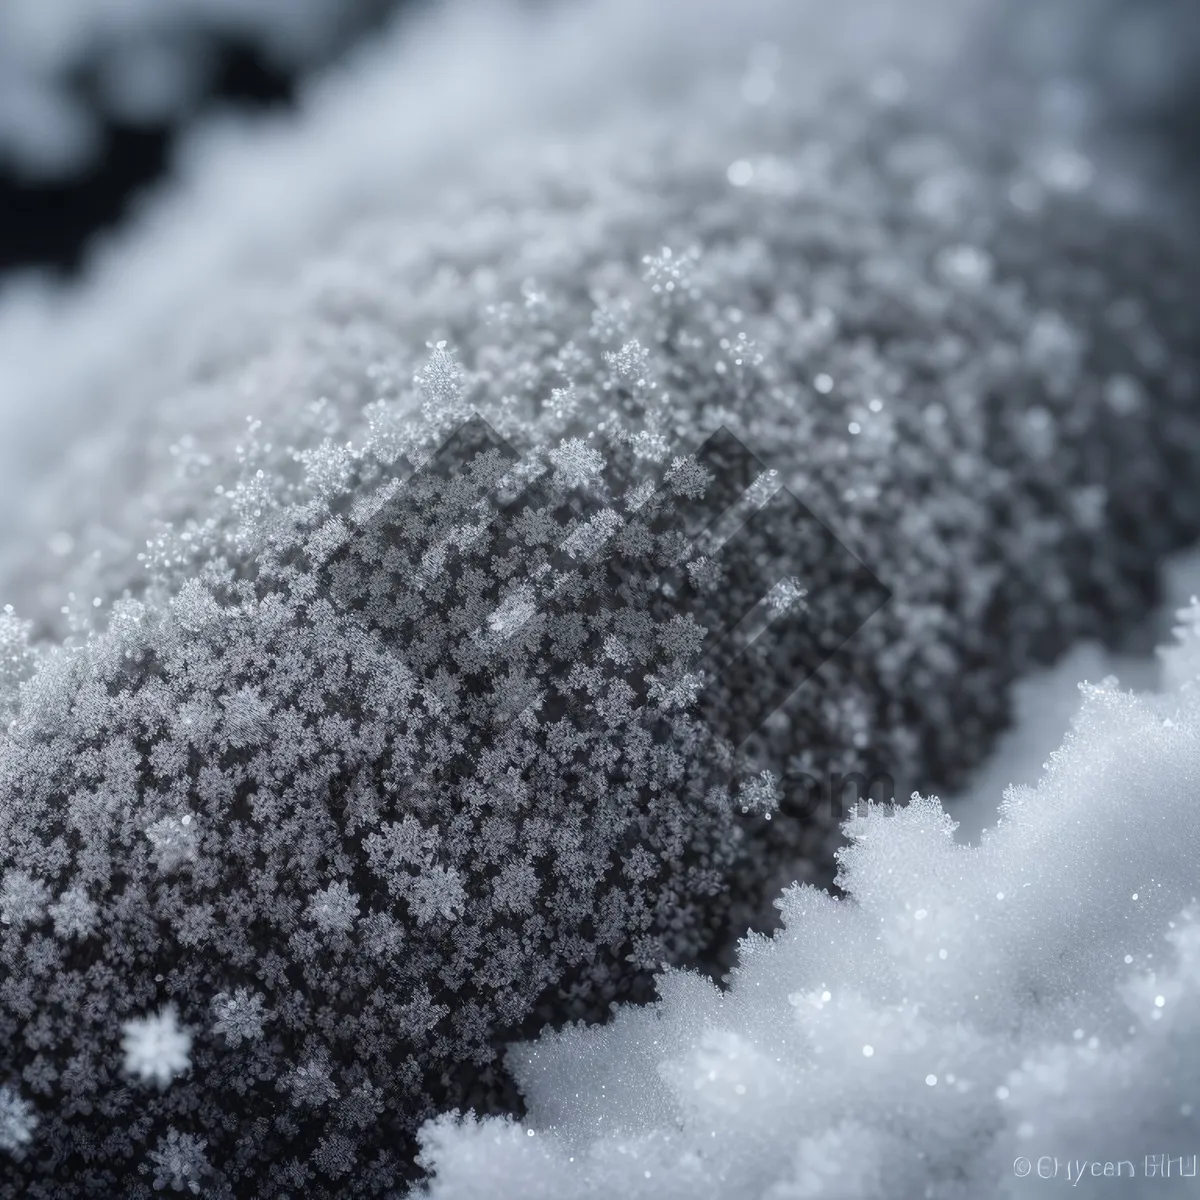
(576, 462)
(334, 908)
(174, 840)
(74, 915)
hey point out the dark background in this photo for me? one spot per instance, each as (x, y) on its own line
(49, 224)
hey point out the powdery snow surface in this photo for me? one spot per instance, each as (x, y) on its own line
(304, 752)
(963, 1015)
(1044, 704)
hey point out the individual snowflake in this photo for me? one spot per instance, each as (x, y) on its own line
(590, 539)
(437, 892)
(310, 1085)
(247, 718)
(441, 385)
(786, 594)
(687, 477)
(334, 908)
(239, 1015)
(706, 574)
(174, 840)
(179, 1162)
(157, 1048)
(630, 365)
(675, 690)
(17, 1121)
(512, 613)
(23, 899)
(335, 1155)
(74, 915)
(576, 463)
(760, 794)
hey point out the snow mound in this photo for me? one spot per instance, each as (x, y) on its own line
(964, 1017)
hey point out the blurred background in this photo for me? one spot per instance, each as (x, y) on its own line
(94, 94)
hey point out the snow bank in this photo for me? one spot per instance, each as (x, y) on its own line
(965, 1019)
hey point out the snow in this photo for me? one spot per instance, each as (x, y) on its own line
(962, 1009)
(156, 1048)
(928, 288)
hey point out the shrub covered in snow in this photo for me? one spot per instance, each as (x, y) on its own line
(258, 789)
(963, 1014)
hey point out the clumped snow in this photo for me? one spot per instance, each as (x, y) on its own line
(961, 1011)
(305, 751)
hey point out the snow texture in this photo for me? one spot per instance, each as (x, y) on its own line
(362, 785)
(962, 1014)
